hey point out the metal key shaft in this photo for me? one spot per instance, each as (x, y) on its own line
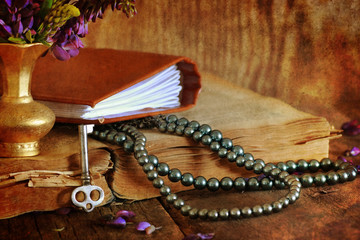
(88, 204)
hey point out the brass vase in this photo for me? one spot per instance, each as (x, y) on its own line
(22, 120)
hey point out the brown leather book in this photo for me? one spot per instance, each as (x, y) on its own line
(74, 89)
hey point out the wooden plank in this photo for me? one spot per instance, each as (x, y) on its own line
(80, 225)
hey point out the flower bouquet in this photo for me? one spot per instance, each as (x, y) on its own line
(28, 28)
(58, 24)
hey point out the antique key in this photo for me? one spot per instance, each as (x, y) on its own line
(87, 191)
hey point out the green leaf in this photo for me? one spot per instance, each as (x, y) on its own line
(29, 36)
(45, 8)
(16, 40)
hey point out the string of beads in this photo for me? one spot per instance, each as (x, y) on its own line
(277, 175)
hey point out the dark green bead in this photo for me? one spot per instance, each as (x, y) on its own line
(194, 124)
(275, 172)
(110, 136)
(158, 182)
(140, 137)
(266, 184)
(193, 213)
(189, 131)
(291, 166)
(258, 168)
(284, 201)
(200, 182)
(205, 129)
(231, 156)
(206, 140)
(267, 169)
(249, 164)
(314, 165)
(279, 184)
(179, 130)
(213, 215)
(197, 136)
(224, 214)
(277, 206)
(240, 184)
(187, 179)
(326, 164)
(216, 135)
(171, 118)
(344, 166)
(162, 126)
(246, 212)
(332, 178)
(215, 146)
(292, 198)
(171, 127)
(128, 145)
(148, 167)
(238, 150)
(154, 160)
(103, 134)
(240, 161)
(253, 184)
(302, 165)
(267, 208)
(338, 163)
(282, 166)
(226, 183)
(226, 143)
(260, 161)
(283, 175)
(248, 156)
(119, 138)
(222, 152)
(257, 210)
(174, 175)
(213, 184)
(235, 213)
(139, 147)
(171, 198)
(95, 133)
(141, 153)
(182, 122)
(306, 180)
(352, 172)
(165, 190)
(295, 193)
(185, 210)
(163, 169)
(320, 179)
(143, 160)
(178, 203)
(203, 213)
(151, 175)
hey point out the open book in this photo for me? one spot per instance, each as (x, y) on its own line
(125, 84)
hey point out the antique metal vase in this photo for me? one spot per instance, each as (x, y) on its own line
(23, 121)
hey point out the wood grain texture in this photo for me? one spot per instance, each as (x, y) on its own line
(304, 52)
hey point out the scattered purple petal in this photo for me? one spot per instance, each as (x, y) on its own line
(200, 236)
(351, 128)
(343, 159)
(142, 226)
(149, 230)
(63, 211)
(127, 215)
(260, 177)
(116, 222)
(354, 151)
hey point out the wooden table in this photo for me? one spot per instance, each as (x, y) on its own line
(329, 212)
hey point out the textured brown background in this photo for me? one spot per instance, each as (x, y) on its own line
(304, 52)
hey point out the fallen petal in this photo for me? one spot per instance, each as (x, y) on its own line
(354, 151)
(127, 215)
(149, 230)
(206, 235)
(142, 226)
(116, 222)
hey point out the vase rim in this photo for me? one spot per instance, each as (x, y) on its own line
(26, 45)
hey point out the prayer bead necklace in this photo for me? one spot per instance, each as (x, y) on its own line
(277, 175)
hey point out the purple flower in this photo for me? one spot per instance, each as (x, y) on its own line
(199, 236)
(116, 222)
(351, 128)
(141, 226)
(354, 151)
